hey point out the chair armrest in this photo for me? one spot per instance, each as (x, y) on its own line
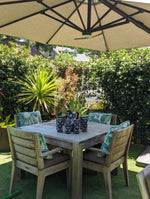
(99, 150)
(51, 151)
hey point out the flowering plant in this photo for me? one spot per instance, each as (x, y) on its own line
(78, 103)
(66, 89)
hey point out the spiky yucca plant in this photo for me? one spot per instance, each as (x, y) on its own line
(40, 88)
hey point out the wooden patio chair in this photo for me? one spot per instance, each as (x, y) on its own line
(27, 155)
(143, 179)
(28, 118)
(116, 155)
(24, 119)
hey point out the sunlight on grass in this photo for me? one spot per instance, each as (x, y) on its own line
(5, 158)
(134, 152)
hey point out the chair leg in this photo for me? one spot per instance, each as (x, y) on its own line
(107, 178)
(13, 177)
(40, 184)
(125, 169)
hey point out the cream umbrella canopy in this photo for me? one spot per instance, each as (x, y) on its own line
(104, 25)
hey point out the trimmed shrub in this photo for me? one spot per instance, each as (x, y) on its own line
(125, 81)
(12, 66)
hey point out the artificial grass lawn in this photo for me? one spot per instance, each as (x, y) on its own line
(55, 185)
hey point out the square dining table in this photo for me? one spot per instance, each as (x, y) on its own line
(74, 142)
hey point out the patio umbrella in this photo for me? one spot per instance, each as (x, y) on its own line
(103, 25)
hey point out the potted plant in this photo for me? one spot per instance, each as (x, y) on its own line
(78, 104)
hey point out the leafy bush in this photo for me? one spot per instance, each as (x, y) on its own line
(120, 78)
(125, 82)
(12, 65)
(16, 63)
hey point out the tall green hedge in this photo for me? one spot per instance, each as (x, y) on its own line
(125, 81)
(121, 78)
(12, 66)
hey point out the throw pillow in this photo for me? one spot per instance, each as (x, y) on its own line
(108, 137)
(28, 118)
(103, 118)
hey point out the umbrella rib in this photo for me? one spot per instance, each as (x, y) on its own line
(110, 25)
(99, 21)
(74, 27)
(22, 18)
(15, 2)
(77, 8)
(71, 24)
(104, 15)
(114, 23)
(135, 7)
(25, 17)
(120, 12)
(63, 24)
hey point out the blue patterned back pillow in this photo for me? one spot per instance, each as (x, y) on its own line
(103, 118)
(108, 137)
(28, 118)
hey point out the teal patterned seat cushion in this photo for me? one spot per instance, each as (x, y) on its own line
(28, 118)
(108, 137)
(103, 118)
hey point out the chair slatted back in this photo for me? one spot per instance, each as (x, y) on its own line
(119, 144)
(25, 147)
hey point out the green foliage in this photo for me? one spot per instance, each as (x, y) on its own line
(125, 81)
(12, 65)
(120, 78)
(40, 88)
(7, 122)
(15, 63)
(78, 103)
(62, 62)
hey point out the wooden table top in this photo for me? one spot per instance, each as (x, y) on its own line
(49, 130)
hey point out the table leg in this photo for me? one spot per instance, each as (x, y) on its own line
(77, 158)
